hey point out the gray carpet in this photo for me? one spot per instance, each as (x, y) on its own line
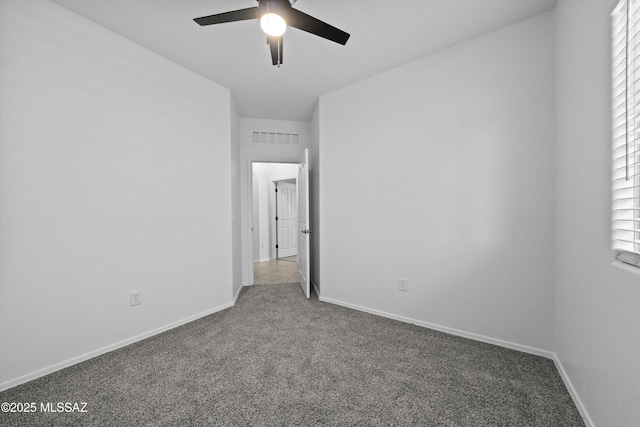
(279, 359)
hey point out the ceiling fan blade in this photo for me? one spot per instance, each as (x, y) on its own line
(308, 23)
(234, 15)
(275, 45)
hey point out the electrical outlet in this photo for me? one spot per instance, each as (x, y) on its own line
(135, 298)
(402, 285)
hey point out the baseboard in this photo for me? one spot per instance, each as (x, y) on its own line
(75, 360)
(572, 391)
(452, 331)
(235, 297)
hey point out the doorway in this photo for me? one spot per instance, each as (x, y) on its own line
(274, 223)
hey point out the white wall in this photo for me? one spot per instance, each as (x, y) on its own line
(251, 152)
(597, 315)
(255, 221)
(441, 172)
(263, 219)
(115, 177)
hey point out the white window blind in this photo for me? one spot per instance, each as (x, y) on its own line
(626, 131)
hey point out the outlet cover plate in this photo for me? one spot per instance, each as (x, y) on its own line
(135, 298)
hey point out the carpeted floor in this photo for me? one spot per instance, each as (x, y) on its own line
(278, 359)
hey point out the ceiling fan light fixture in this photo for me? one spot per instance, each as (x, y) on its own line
(274, 17)
(273, 24)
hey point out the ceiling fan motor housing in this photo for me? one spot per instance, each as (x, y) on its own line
(279, 7)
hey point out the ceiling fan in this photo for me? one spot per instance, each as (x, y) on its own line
(275, 16)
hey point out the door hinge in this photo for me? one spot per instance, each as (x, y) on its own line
(276, 190)
(276, 246)
(276, 218)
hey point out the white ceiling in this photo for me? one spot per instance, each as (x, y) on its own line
(384, 35)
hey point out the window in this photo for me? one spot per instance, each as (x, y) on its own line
(626, 131)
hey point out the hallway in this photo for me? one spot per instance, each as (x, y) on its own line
(276, 271)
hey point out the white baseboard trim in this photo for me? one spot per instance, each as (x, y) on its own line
(84, 357)
(452, 331)
(572, 391)
(235, 297)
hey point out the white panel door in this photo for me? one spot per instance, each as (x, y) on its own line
(287, 219)
(303, 221)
